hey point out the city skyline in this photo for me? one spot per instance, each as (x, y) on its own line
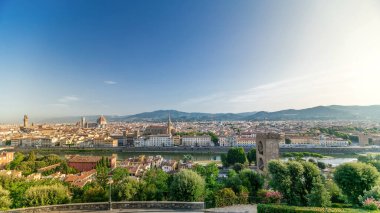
(73, 58)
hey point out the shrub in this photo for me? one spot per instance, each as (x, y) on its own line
(265, 208)
(371, 204)
(269, 196)
(372, 193)
(225, 197)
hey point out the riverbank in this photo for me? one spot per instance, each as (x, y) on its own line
(196, 150)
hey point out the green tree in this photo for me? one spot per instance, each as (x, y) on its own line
(335, 191)
(236, 155)
(319, 196)
(5, 200)
(354, 178)
(119, 175)
(95, 193)
(225, 197)
(157, 184)
(251, 156)
(295, 180)
(187, 186)
(223, 158)
(252, 181)
(32, 156)
(18, 158)
(187, 158)
(238, 167)
(47, 195)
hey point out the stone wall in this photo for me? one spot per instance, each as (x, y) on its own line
(115, 206)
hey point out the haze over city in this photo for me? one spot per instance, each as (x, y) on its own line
(61, 58)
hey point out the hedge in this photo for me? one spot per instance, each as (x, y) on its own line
(267, 208)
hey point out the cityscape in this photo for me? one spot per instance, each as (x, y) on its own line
(189, 106)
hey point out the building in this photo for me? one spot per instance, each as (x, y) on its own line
(102, 122)
(87, 163)
(105, 142)
(176, 140)
(332, 142)
(245, 141)
(268, 148)
(83, 122)
(26, 121)
(202, 140)
(154, 141)
(5, 158)
(160, 129)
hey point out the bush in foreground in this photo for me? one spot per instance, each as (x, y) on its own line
(266, 208)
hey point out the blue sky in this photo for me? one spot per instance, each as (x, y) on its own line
(83, 57)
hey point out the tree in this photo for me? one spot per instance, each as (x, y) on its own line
(95, 193)
(225, 197)
(251, 156)
(47, 195)
(18, 158)
(252, 181)
(157, 182)
(119, 175)
(223, 158)
(32, 156)
(187, 186)
(335, 191)
(5, 200)
(187, 158)
(321, 165)
(238, 167)
(236, 155)
(295, 180)
(354, 178)
(319, 196)
(288, 141)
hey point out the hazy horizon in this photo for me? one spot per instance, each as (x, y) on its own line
(72, 58)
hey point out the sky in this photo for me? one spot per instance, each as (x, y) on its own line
(120, 57)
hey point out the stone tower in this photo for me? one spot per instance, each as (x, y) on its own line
(363, 139)
(268, 148)
(170, 126)
(26, 121)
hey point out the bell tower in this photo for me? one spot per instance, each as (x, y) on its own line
(268, 148)
(26, 121)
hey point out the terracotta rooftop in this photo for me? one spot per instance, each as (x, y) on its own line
(88, 159)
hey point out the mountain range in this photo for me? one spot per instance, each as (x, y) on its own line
(333, 112)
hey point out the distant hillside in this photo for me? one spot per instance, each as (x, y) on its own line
(162, 115)
(334, 112)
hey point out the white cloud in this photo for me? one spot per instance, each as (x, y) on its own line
(110, 82)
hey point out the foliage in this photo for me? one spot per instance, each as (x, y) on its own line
(251, 156)
(156, 184)
(223, 158)
(238, 167)
(371, 204)
(269, 196)
(301, 154)
(47, 195)
(187, 186)
(236, 155)
(267, 208)
(187, 158)
(335, 192)
(95, 193)
(225, 197)
(319, 196)
(295, 180)
(321, 165)
(119, 175)
(354, 178)
(18, 158)
(372, 193)
(5, 200)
